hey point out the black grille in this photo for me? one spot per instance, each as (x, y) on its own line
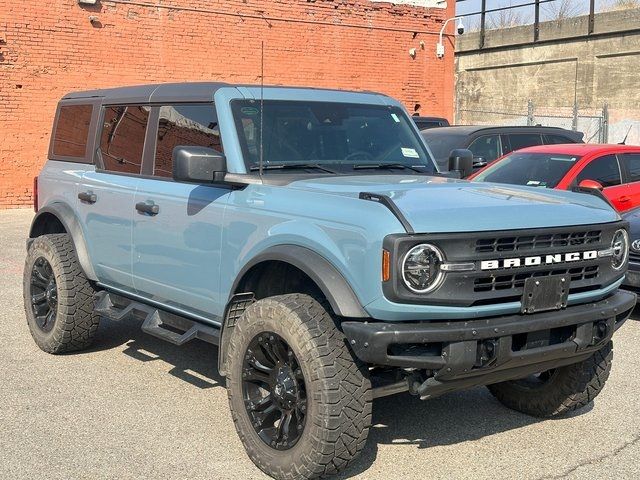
(634, 257)
(537, 242)
(506, 281)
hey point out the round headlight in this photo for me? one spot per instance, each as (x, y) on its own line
(620, 249)
(421, 268)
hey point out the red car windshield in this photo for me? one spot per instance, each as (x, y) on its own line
(529, 169)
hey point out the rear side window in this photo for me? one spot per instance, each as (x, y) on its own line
(604, 170)
(194, 125)
(522, 140)
(632, 161)
(557, 139)
(122, 138)
(72, 131)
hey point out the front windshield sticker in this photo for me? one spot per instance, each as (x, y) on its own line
(410, 152)
(395, 117)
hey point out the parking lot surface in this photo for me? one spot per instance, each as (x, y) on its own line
(136, 407)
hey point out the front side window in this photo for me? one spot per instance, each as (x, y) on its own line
(486, 147)
(195, 125)
(333, 137)
(632, 161)
(72, 131)
(604, 170)
(529, 169)
(122, 138)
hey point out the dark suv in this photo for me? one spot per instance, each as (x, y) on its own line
(488, 143)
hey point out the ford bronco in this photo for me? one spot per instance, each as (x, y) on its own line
(310, 236)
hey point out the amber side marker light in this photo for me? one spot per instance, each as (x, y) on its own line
(386, 266)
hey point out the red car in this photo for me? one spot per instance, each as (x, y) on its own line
(614, 169)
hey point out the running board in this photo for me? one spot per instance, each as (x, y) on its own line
(159, 323)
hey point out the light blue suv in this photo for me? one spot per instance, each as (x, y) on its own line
(309, 235)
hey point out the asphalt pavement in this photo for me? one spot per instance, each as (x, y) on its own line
(136, 407)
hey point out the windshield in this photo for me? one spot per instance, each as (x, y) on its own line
(329, 137)
(531, 169)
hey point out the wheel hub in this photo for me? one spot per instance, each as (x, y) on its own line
(274, 391)
(44, 294)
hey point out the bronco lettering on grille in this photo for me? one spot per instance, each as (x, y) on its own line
(538, 260)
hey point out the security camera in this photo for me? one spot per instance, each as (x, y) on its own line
(460, 27)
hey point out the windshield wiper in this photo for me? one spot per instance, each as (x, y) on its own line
(291, 166)
(388, 166)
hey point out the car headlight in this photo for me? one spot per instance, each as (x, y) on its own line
(421, 270)
(620, 249)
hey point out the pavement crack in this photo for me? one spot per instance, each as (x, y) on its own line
(593, 461)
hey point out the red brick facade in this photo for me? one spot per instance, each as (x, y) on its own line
(50, 48)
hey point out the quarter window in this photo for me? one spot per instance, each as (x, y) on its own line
(632, 161)
(604, 170)
(122, 138)
(194, 125)
(72, 131)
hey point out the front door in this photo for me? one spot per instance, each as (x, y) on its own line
(177, 237)
(607, 172)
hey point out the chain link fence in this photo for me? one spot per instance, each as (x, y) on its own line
(592, 122)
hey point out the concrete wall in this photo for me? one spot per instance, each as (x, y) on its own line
(50, 48)
(565, 65)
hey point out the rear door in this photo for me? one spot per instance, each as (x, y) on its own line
(177, 250)
(106, 195)
(630, 163)
(606, 170)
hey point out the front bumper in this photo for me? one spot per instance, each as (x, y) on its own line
(463, 354)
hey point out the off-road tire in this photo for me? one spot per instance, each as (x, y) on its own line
(569, 388)
(76, 323)
(337, 385)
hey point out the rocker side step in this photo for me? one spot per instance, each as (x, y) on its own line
(159, 323)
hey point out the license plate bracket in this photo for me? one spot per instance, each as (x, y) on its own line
(545, 293)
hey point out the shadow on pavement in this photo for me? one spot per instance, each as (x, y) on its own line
(397, 420)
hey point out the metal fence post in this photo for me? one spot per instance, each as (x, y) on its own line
(483, 19)
(530, 118)
(604, 137)
(574, 122)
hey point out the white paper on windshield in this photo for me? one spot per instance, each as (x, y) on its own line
(395, 117)
(410, 152)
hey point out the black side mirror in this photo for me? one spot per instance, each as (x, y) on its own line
(198, 164)
(461, 160)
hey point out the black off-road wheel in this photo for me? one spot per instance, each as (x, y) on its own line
(58, 298)
(557, 392)
(300, 401)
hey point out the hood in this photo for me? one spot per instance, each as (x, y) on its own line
(441, 205)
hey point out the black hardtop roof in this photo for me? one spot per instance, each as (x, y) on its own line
(168, 92)
(471, 129)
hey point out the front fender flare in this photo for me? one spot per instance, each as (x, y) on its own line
(333, 285)
(69, 220)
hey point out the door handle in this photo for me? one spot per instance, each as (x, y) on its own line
(88, 197)
(624, 198)
(148, 208)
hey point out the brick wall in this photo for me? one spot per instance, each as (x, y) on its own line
(50, 48)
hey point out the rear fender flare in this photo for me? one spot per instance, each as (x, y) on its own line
(69, 220)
